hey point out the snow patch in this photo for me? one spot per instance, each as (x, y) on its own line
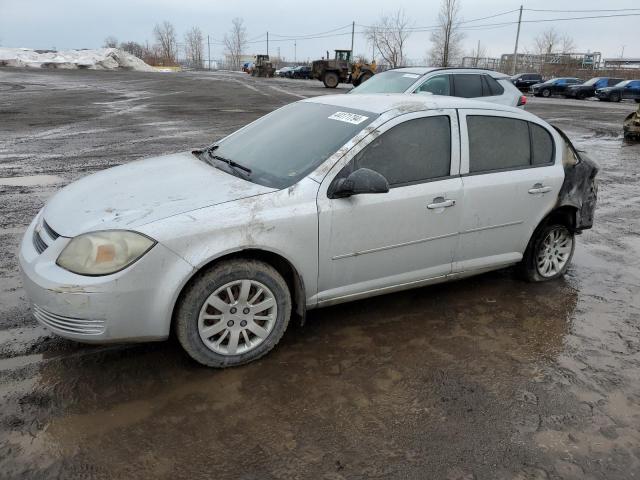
(93, 59)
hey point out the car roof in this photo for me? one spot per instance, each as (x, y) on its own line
(379, 103)
(425, 70)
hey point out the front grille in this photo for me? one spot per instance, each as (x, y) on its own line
(38, 243)
(68, 324)
(50, 231)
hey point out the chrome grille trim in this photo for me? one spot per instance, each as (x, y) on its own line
(65, 324)
(38, 242)
(50, 231)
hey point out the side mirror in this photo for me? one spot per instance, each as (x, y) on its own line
(363, 180)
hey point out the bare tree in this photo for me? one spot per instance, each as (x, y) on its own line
(478, 53)
(235, 42)
(133, 48)
(446, 40)
(165, 35)
(194, 45)
(110, 42)
(389, 36)
(547, 42)
(567, 45)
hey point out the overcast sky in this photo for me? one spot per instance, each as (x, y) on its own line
(85, 23)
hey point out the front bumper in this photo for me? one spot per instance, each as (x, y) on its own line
(134, 304)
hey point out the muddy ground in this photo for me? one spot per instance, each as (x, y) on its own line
(486, 378)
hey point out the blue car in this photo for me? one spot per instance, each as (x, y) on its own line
(588, 88)
(628, 89)
(555, 86)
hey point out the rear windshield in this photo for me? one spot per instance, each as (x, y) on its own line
(286, 145)
(388, 82)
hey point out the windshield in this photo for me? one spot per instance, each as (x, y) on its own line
(284, 146)
(624, 83)
(388, 82)
(593, 81)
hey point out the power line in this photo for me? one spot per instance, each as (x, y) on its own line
(583, 11)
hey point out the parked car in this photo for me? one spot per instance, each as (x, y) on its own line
(303, 71)
(588, 88)
(487, 85)
(628, 89)
(284, 72)
(523, 81)
(224, 245)
(555, 86)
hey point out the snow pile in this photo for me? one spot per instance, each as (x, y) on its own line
(96, 59)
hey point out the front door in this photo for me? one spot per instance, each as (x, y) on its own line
(374, 243)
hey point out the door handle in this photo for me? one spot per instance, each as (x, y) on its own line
(440, 202)
(539, 188)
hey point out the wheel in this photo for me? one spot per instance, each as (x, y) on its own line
(615, 97)
(581, 96)
(546, 93)
(637, 100)
(330, 79)
(356, 82)
(548, 254)
(234, 313)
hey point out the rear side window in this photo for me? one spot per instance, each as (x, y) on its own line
(497, 143)
(542, 145)
(467, 86)
(491, 86)
(411, 152)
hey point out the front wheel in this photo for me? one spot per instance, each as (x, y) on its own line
(330, 80)
(546, 93)
(637, 100)
(615, 97)
(548, 254)
(233, 314)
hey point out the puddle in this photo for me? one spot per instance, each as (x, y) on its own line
(31, 180)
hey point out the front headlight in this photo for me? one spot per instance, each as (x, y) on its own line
(102, 253)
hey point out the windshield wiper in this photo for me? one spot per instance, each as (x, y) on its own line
(231, 163)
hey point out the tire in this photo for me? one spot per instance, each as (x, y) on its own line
(196, 302)
(356, 82)
(365, 76)
(546, 93)
(637, 100)
(541, 248)
(615, 97)
(581, 96)
(330, 80)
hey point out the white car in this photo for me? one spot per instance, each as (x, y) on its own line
(323, 201)
(485, 85)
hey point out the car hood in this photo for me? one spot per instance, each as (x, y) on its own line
(141, 192)
(606, 89)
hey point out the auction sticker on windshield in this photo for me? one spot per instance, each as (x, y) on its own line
(411, 75)
(353, 118)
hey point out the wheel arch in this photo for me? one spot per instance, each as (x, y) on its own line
(284, 266)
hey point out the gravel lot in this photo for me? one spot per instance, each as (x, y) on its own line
(486, 378)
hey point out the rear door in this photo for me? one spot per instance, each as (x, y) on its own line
(511, 175)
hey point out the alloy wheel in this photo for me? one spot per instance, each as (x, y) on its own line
(237, 317)
(554, 252)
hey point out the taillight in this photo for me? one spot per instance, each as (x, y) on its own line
(522, 100)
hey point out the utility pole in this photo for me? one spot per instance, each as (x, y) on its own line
(209, 52)
(267, 43)
(353, 28)
(295, 51)
(515, 51)
(478, 54)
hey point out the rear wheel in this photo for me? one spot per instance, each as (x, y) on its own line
(330, 80)
(615, 97)
(548, 254)
(234, 313)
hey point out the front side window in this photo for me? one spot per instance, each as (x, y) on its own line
(499, 143)
(438, 85)
(414, 151)
(467, 86)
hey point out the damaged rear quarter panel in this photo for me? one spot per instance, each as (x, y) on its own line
(579, 189)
